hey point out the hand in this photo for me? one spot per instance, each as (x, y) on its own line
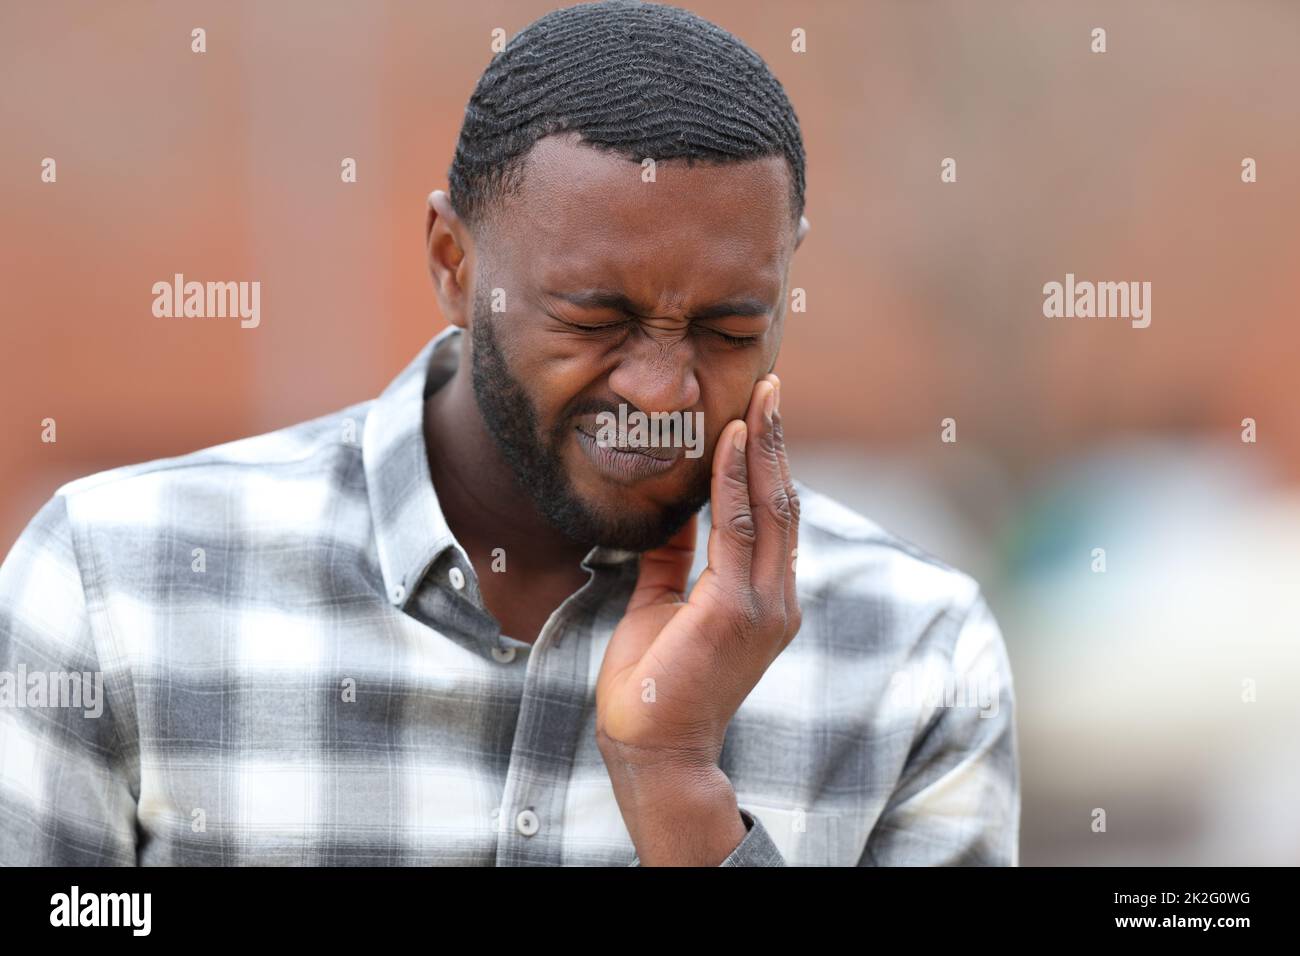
(676, 671)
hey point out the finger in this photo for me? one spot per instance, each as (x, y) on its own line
(731, 537)
(665, 570)
(780, 437)
(791, 589)
(767, 495)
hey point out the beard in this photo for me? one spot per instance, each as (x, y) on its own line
(537, 460)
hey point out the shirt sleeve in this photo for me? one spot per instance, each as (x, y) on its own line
(65, 792)
(957, 800)
(755, 849)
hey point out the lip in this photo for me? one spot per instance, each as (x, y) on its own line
(630, 465)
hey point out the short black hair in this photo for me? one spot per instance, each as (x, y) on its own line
(636, 79)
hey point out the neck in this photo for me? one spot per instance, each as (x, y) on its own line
(479, 496)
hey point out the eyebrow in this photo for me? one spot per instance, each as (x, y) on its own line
(607, 299)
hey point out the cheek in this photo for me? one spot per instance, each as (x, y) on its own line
(726, 392)
(555, 373)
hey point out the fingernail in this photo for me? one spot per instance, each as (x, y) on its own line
(769, 403)
(738, 438)
(776, 383)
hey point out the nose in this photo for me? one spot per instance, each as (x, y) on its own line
(656, 372)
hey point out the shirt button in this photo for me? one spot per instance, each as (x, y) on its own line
(526, 822)
(503, 654)
(457, 578)
(398, 593)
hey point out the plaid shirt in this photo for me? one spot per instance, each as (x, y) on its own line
(296, 667)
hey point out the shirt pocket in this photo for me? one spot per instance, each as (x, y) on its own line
(805, 837)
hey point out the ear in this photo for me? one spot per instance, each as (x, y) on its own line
(804, 226)
(449, 247)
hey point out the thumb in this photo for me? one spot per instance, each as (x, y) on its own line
(666, 569)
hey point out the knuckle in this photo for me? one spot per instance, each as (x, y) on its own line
(793, 621)
(746, 620)
(794, 502)
(741, 525)
(779, 502)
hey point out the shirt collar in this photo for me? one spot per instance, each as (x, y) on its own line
(411, 531)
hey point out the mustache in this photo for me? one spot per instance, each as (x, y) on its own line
(595, 406)
(591, 406)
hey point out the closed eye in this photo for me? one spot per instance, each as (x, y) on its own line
(735, 341)
(732, 341)
(582, 327)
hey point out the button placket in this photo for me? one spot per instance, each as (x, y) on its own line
(538, 707)
(557, 661)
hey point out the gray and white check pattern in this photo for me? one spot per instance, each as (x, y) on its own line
(298, 668)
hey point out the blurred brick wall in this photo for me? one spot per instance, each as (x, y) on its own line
(924, 298)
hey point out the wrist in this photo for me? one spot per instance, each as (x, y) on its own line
(685, 819)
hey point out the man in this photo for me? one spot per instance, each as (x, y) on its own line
(461, 624)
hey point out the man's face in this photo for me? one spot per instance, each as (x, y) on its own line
(663, 296)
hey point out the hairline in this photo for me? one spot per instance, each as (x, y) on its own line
(509, 186)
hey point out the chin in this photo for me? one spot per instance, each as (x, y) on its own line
(651, 500)
(634, 522)
(631, 535)
(632, 515)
